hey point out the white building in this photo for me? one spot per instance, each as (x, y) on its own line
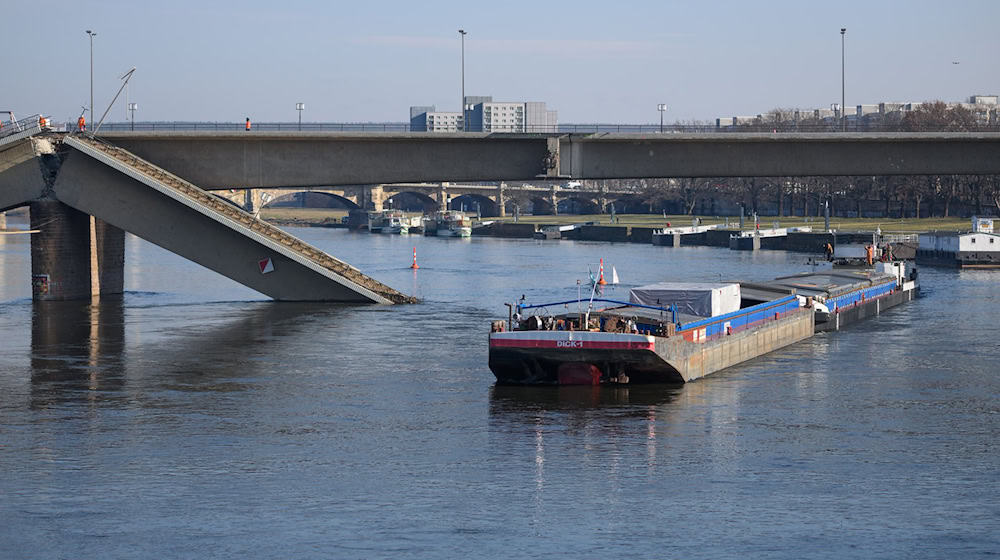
(979, 248)
(486, 115)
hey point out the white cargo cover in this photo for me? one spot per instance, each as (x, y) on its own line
(701, 299)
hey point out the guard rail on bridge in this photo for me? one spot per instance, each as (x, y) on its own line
(12, 131)
(611, 128)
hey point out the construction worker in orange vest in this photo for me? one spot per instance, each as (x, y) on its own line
(81, 123)
(248, 123)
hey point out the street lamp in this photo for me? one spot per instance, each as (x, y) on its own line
(131, 108)
(661, 107)
(843, 101)
(462, 32)
(299, 107)
(92, 35)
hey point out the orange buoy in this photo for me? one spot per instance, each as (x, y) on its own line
(414, 265)
(600, 277)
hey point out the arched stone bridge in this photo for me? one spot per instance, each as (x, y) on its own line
(492, 200)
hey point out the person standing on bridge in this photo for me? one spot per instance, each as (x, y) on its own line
(248, 124)
(81, 123)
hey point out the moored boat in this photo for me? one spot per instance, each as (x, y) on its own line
(450, 223)
(388, 221)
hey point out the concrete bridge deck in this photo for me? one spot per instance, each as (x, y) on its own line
(254, 159)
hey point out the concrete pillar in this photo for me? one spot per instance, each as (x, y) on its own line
(247, 200)
(75, 256)
(554, 201)
(502, 200)
(442, 198)
(603, 201)
(3, 220)
(376, 197)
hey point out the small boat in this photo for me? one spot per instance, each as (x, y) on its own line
(449, 223)
(388, 221)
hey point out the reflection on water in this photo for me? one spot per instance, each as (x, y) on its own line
(76, 350)
(79, 348)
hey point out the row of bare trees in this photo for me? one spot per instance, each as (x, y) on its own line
(868, 196)
(931, 116)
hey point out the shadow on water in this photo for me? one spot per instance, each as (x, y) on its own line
(80, 352)
(508, 400)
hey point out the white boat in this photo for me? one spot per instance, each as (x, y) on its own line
(388, 221)
(453, 224)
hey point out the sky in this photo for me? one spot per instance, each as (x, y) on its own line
(592, 61)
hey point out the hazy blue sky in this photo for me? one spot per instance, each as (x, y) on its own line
(607, 61)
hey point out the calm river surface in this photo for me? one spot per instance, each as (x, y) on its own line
(195, 419)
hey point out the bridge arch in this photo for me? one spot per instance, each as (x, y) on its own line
(408, 200)
(539, 206)
(471, 202)
(579, 205)
(304, 197)
(628, 204)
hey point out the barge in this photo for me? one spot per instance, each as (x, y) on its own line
(840, 297)
(676, 333)
(632, 342)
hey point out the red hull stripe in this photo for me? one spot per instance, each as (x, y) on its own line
(571, 344)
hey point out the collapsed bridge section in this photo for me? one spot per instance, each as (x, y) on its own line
(134, 195)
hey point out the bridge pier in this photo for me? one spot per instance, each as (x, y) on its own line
(376, 198)
(442, 197)
(75, 256)
(554, 200)
(502, 200)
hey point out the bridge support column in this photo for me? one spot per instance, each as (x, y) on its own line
(442, 197)
(76, 256)
(502, 200)
(603, 201)
(554, 201)
(3, 219)
(376, 198)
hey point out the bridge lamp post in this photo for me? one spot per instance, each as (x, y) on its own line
(131, 108)
(843, 99)
(463, 33)
(661, 107)
(299, 107)
(92, 35)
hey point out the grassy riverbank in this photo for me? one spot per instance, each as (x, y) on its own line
(309, 216)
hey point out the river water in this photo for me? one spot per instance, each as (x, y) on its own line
(195, 419)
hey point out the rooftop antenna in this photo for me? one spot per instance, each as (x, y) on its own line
(126, 76)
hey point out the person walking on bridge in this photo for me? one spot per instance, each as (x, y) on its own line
(248, 124)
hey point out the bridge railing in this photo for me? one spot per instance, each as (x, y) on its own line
(616, 128)
(8, 128)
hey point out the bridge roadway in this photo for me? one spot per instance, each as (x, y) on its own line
(262, 159)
